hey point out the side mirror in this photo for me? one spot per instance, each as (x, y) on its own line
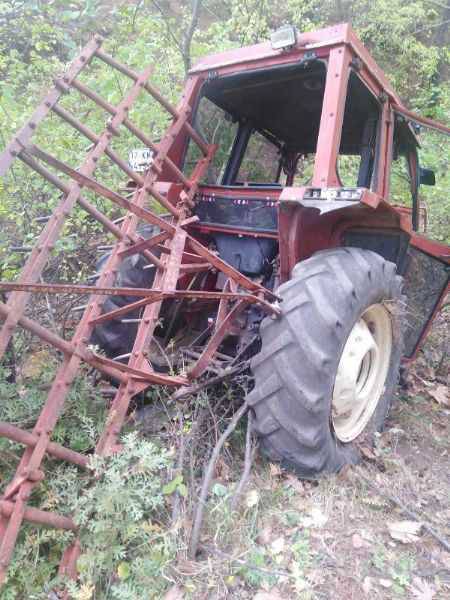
(427, 176)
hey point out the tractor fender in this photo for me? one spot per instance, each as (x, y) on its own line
(308, 225)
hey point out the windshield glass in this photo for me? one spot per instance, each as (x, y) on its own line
(216, 127)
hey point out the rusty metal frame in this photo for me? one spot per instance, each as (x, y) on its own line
(179, 254)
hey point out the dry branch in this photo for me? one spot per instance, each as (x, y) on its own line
(206, 484)
(407, 511)
(250, 449)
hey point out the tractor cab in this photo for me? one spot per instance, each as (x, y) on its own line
(265, 123)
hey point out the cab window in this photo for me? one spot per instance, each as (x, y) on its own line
(216, 126)
(260, 163)
(403, 186)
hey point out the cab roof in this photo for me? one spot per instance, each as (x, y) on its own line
(263, 55)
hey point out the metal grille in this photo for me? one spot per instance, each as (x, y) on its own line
(425, 280)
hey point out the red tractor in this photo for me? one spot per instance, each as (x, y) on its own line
(279, 246)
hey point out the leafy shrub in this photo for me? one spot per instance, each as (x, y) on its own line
(121, 517)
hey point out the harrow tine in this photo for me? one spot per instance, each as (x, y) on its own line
(122, 356)
(21, 249)
(79, 308)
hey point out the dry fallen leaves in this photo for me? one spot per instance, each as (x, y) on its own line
(422, 590)
(404, 531)
(440, 394)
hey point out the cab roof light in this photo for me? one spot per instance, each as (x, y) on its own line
(284, 38)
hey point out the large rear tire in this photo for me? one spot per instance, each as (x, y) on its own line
(116, 337)
(328, 367)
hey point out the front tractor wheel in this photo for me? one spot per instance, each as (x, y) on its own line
(329, 365)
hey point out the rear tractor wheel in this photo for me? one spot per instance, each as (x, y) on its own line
(328, 367)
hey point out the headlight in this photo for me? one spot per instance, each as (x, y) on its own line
(284, 37)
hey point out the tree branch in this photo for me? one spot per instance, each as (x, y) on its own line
(186, 48)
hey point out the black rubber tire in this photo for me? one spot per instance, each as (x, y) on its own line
(296, 367)
(114, 337)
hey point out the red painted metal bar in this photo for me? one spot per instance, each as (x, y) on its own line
(39, 256)
(145, 244)
(23, 137)
(39, 517)
(188, 294)
(194, 268)
(384, 151)
(63, 288)
(143, 376)
(28, 439)
(93, 137)
(332, 117)
(87, 206)
(411, 116)
(216, 339)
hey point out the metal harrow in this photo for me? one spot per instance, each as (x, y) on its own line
(178, 254)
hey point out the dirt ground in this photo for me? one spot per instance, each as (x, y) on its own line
(343, 538)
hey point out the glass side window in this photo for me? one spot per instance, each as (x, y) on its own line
(260, 162)
(216, 127)
(304, 170)
(357, 160)
(401, 189)
(348, 169)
